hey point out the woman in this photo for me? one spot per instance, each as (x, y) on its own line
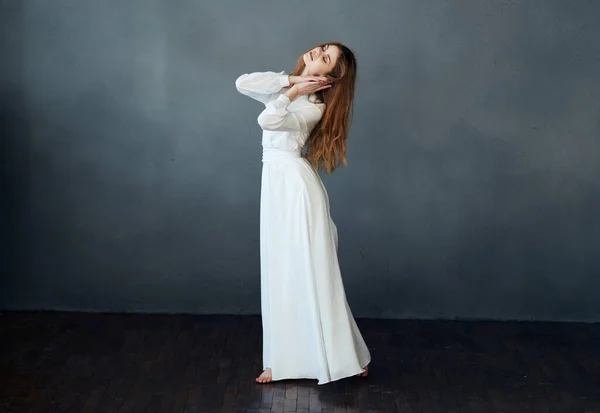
(308, 328)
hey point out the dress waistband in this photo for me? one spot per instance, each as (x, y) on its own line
(278, 155)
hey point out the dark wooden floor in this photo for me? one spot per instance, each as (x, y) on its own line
(73, 362)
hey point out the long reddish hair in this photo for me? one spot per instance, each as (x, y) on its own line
(326, 144)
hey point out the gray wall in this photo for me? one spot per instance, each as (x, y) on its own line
(131, 165)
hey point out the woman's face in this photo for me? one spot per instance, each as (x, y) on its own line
(320, 61)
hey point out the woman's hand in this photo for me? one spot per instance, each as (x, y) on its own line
(306, 88)
(301, 79)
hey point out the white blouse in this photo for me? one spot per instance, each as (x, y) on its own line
(286, 125)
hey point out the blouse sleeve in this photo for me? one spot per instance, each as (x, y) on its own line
(276, 117)
(261, 85)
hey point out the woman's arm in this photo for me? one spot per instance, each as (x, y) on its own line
(261, 85)
(276, 117)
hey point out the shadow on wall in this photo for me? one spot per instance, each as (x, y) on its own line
(15, 189)
(122, 224)
(15, 130)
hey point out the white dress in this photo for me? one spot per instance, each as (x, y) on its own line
(308, 328)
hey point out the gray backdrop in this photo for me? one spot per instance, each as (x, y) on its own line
(131, 165)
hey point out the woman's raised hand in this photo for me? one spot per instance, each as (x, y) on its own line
(306, 88)
(301, 79)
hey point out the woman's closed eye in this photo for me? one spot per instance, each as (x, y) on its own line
(325, 57)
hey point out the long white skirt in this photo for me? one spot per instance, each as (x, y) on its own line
(308, 328)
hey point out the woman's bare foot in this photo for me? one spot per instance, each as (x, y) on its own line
(265, 377)
(364, 373)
